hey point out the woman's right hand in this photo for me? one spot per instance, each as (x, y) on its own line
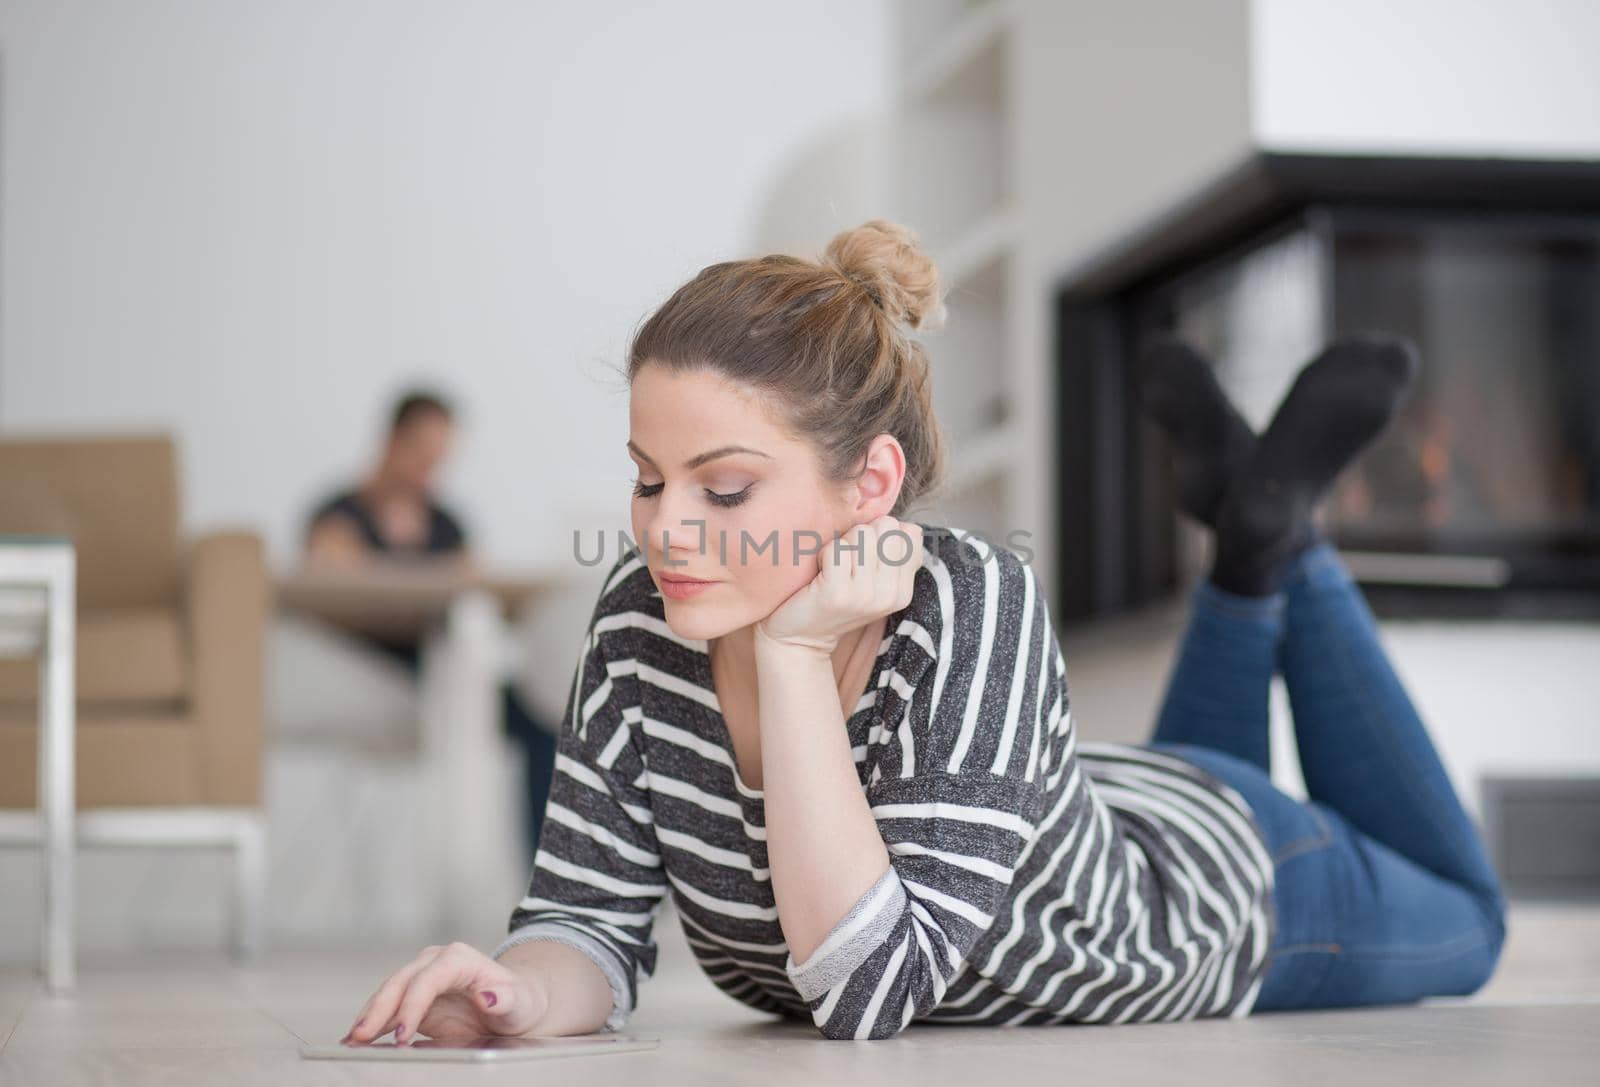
(449, 992)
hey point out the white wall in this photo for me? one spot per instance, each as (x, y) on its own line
(252, 222)
(1123, 109)
(1489, 77)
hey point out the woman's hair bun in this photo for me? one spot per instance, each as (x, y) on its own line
(887, 259)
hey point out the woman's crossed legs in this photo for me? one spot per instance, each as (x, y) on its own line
(1384, 892)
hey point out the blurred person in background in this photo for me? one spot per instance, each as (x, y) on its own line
(394, 511)
(395, 515)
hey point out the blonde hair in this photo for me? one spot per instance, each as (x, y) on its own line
(824, 342)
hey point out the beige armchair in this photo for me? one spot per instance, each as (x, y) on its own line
(169, 650)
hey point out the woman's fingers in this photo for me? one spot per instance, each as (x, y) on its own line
(453, 970)
(380, 1006)
(483, 1007)
(880, 558)
(863, 543)
(888, 560)
(906, 552)
(454, 988)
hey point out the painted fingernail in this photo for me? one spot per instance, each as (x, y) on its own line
(400, 1032)
(488, 998)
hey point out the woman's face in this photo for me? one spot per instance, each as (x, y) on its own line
(724, 494)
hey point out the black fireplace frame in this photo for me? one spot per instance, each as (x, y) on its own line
(1116, 520)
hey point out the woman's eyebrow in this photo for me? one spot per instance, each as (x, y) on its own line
(696, 461)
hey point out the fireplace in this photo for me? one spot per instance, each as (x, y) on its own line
(1482, 498)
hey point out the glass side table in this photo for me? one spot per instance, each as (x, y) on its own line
(38, 589)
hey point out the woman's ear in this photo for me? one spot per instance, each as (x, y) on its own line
(883, 472)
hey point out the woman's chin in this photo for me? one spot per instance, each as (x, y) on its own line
(693, 623)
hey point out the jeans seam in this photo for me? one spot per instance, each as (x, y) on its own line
(1394, 752)
(1467, 942)
(1306, 845)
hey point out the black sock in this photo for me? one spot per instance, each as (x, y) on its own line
(1210, 439)
(1339, 402)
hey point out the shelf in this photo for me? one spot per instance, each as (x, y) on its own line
(974, 254)
(972, 460)
(966, 56)
(951, 153)
(950, 171)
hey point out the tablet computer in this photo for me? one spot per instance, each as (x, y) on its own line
(489, 1048)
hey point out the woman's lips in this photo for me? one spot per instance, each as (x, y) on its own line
(683, 588)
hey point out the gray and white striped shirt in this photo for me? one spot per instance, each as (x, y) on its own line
(1033, 879)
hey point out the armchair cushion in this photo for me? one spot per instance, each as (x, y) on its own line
(124, 657)
(118, 500)
(124, 759)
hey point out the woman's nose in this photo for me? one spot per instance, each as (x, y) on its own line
(676, 531)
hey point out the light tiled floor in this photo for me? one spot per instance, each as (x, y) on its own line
(197, 1019)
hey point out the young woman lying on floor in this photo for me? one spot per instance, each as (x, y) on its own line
(855, 767)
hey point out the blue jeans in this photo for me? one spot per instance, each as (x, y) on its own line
(1384, 892)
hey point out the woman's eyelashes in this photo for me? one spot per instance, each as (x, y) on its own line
(726, 501)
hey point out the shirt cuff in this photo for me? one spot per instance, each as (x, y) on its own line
(602, 957)
(857, 935)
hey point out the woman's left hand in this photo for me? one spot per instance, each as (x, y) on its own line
(865, 573)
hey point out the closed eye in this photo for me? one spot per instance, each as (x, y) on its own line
(726, 501)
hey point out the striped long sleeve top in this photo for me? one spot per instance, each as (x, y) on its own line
(1033, 879)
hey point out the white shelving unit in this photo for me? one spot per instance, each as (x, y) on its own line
(945, 161)
(951, 177)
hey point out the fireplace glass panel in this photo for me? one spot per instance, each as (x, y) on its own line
(1499, 447)
(1497, 450)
